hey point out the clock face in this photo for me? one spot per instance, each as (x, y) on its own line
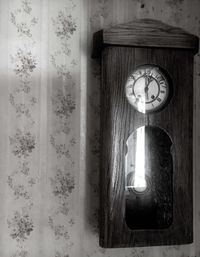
(147, 89)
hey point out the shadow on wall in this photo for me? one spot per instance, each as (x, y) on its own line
(93, 151)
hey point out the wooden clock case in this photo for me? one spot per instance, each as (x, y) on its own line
(123, 48)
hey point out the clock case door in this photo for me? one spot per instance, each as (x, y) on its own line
(119, 119)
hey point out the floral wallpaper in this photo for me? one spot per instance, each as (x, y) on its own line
(62, 138)
(49, 145)
(41, 134)
(23, 139)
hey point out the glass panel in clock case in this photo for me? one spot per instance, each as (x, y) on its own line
(149, 179)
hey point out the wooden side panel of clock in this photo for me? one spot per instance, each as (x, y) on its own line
(119, 119)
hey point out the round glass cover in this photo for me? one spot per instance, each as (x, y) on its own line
(147, 88)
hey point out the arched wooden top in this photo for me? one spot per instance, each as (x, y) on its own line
(144, 33)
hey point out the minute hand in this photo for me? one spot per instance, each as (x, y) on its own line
(146, 89)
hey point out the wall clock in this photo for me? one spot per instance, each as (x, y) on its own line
(146, 134)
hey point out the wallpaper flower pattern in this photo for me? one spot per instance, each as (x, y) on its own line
(23, 141)
(29, 171)
(62, 137)
(49, 199)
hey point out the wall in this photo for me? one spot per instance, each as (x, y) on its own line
(49, 132)
(39, 92)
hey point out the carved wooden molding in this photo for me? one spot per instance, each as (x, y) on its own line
(144, 33)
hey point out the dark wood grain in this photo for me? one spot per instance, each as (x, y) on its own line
(119, 119)
(144, 33)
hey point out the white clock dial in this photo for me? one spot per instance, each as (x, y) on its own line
(147, 88)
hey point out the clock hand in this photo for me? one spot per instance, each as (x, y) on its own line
(147, 82)
(146, 89)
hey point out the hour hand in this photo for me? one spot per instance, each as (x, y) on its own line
(146, 87)
(148, 81)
